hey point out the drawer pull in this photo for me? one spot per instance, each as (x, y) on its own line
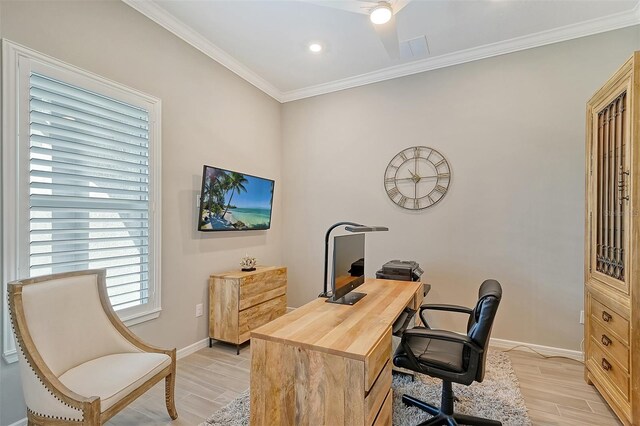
(605, 340)
(605, 365)
(606, 316)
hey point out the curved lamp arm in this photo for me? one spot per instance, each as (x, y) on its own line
(326, 253)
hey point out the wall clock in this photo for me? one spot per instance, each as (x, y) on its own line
(417, 178)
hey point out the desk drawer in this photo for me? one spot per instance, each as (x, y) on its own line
(384, 416)
(377, 394)
(610, 319)
(376, 360)
(254, 317)
(607, 367)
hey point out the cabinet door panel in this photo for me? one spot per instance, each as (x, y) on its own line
(609, 206)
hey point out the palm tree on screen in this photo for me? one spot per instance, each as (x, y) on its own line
(235, 182)
(215, 190)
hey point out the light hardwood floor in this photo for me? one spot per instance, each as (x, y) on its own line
(554, 390)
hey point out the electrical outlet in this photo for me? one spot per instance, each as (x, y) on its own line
(199, 310)
(581, 317)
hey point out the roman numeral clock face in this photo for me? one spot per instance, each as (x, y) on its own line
(417, 178)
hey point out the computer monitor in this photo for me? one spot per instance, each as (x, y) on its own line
(348, 269)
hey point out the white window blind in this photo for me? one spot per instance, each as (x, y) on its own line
(89, 187)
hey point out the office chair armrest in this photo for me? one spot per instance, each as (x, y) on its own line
(449, 336)
(448, 308)
(443, 307)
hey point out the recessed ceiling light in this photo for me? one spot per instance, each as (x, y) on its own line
(381, 14)
(315, 47)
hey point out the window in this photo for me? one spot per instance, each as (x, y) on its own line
(84, 155)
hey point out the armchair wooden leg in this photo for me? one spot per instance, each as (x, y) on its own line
(169, 395)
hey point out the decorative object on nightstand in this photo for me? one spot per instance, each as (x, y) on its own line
(612, 265)
(417, 178)
(248, 263)
(242, 301)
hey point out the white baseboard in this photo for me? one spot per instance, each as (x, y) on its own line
(22, 422)
(544, 350)
(194, 347)
(289, 309)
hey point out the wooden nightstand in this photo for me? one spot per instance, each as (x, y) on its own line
(242, 301)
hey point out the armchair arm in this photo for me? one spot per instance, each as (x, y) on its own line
(443, 307)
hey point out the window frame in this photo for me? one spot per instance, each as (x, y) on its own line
(18, 62)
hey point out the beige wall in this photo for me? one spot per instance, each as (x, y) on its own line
(209, 116)
(512, 128)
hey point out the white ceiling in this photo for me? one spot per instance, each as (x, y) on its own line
(265, 41)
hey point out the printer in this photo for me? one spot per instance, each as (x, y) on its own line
(401, 270)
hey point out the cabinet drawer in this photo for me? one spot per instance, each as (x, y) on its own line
(610, 319)
(262, 287)
(377, 394)
(605, 366)
(610, 344)
(376, 360)
(254, 317)
(384, 416)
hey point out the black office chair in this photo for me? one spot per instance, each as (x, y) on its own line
(450, 356)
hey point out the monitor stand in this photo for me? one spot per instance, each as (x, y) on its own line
(348, 299)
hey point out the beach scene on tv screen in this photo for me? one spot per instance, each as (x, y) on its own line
(235, 201)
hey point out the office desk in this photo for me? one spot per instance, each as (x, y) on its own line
(329, 364)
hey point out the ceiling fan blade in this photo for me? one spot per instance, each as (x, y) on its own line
(361, 6)
(389, 37)
(398, 5)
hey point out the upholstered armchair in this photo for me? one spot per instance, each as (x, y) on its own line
(79, 364)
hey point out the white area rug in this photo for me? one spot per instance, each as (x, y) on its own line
(498, 397)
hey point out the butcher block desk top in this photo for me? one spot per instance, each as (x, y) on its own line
(348, 331)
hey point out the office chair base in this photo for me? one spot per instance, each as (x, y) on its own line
(442, 418)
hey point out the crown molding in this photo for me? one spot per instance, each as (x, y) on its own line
(163, 18)
(556, 35)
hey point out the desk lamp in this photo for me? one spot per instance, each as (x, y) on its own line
(350, 227)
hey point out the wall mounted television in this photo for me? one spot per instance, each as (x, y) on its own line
(232, 201)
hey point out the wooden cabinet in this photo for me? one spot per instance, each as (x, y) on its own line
(612, 241)
(242, 301)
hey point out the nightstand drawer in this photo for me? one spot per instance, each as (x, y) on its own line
(254, 317)
(259, 288)
(610, 320)
(610, 344)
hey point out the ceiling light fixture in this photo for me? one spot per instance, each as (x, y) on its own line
(381, 14)
(315, 47)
